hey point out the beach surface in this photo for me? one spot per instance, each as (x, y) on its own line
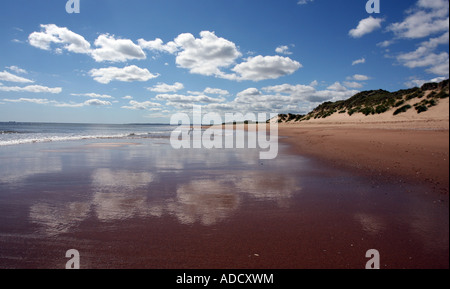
(142, 204)
(398, 150)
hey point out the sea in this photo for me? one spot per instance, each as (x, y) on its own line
(17, 133)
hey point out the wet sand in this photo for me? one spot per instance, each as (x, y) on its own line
(145, 205)
(397, 150)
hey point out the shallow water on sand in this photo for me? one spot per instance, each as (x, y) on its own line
(142, 204)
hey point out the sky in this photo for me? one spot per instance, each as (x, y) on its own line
(141, 61)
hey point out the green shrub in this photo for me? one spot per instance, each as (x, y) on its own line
(433, 94)
(442, 95)
(421, 108)
(399, 103)
(402, 109)
(381, 109)
(432, 103)
(367, 110)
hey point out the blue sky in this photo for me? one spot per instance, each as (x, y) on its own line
(141, 61)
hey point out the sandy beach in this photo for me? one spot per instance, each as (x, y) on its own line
(409, 154)
(141, 204)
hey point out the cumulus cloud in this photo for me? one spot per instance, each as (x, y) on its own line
(265, 67)
(425, 56)
(366, 26)
(359, 61)
(96, 102)
(358, 77)
(116, 50)
(52, 34)
(29, 100)
(126, 74)
(284, 49)
(337, 86)
(163, 87)
(426, 18)
(218, 91)
(205, 55)
(108, 48)
(158, 45)
(287, 98)
(31, 88)
(419, 82)
(92, 95)
(353, 84)
(210, 90)
(91, 102)
(385, 43)
(179, 98)
(6, 76)
(146, 105)
(17, 69)
(303, 2)
(249, 92)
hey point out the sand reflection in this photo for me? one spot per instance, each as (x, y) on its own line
(56, 219)
(116, 194)
(208, 201)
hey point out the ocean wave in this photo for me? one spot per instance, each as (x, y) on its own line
(44, 139)
(8, 132)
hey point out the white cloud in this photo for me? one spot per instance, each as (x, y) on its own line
(97, 102)
(108, 47)
(303, 2)
(52, 34)
(210, 90)
(284, 49)
(189, 98)
(17, 69)
(116, 50)
(269, 67)
(218, 91)
(353, 84)
(90, 102)
(163, 87)
(128, 97)
(146, 105)
(366, 26)
(385, 43)
(249, 92)
(6, 76)
(358, 77)
(419, 82)
(205, 55)
(337, 86)
(92, 95)
(359, 61)
(286, 98)
(293, 90)
(426, 18)
(31, 88)
(157, 45)
(29, 100)
(126, 74)
(425, 56)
